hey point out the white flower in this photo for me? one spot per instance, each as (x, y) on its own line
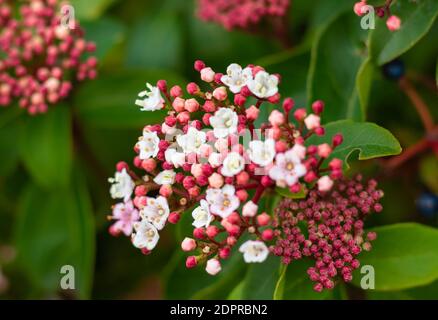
(287, 169)
(224, 122)
(156, 211)
(299, 150)
(222, 201)
(122, 185)
(254, 251)
(263, 85)
(233, 164)
(165, 177)
(174, 157)
(145, 236)
(152, 101)
(236, 78)
(215, 159)
(201, 215)
(262, 152)
(148, 145)
(192, 140)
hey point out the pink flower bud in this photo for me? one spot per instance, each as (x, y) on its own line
(188, 244)
(162, 85)
(337, 140)
(199, 233)
(281, 146)
(268, 235)
(320, 131)
(217, 78)
(192, 88)
(393, 23)
(242, 195)
(324, 150)
(166, 190)
(213, 267)
(266, 181)
(310, 177)
(176, 91)
(174, 217)
(276, 118)
(360, 8)
(199, 65)
(191, 262)
(239, 100)
(212, 231)
(149, 165)
(220, 93)
(300, 114)
(263, 219)
(335, 164)
(318, 107)
(216, 180)
(209, 106)
(275, 98)
(224, 252)
(252, 113)
(231, 241)
(312, 121)
(191, 105)
(325, 183)
(249, 209)
(194, 192)
(288, 104)
(122, 165)
(178, 104)
(183, 117)
(207, 74)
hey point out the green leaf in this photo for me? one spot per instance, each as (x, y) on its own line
(429, 172)
(368, 138)
(46, 147)
(428, 292)
(156, 42)
(10, 135)
(260, 279)
(294, 283)
(90, 10)
(334, 66)
(106, 33)
(285, 192)
(108, 102)
(417, 19)
(56, 229)
(364, 82)
(237, 292)
(404, 255)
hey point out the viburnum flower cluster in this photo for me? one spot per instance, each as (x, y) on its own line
(40, 57)
(392, 22)
(241, 14)
(208, 160)
(333, 234)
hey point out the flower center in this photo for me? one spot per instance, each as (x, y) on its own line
(290, 166)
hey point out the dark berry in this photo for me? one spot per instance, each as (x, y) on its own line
(427, 204)
(394, 70)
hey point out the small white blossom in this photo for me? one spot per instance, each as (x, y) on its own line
(287, 169)
(122, 185)
(233, 164)
(192, 140)
(224, 122)
(156, 211)
(152, 99)
(145, 235)
(236, 78)
(254, 251)
(165, 177)
(174, 157)
(263, 85)
(201, 215)
(148, 145)
(222, 201)
(262, 152)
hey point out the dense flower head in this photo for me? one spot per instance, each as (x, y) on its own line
(240, 14)
(329, 228)
(40, 56)
(207, 160)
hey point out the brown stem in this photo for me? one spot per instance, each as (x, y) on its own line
(418, 102)
(409, 153)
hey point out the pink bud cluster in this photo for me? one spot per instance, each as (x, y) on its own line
(197, 163)
(240, 14)
(41, 56)
(393, 22)
(329, 228)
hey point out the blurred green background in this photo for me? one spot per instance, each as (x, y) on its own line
(53, 168)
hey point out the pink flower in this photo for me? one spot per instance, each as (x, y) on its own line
(287, 169)
(126, 215)
(249, 209)
(222, 201)
(188, 244)
(213, 267)
(276, 118)
(393, 23)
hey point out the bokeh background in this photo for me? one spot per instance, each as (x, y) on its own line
(45, 225)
